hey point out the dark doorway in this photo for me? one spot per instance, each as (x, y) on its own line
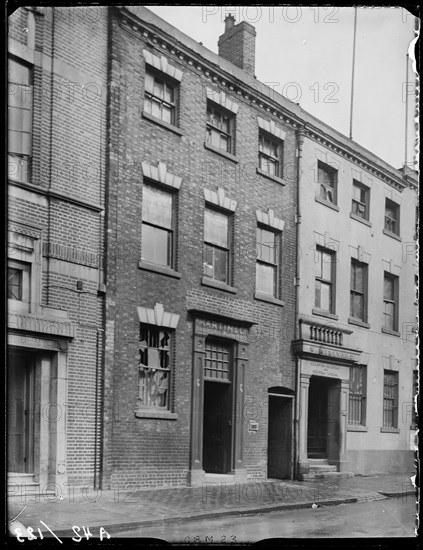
(217, 427)
(279, 437)
(20, 413)
(317, 440)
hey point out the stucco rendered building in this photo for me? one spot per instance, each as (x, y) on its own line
(232, 281)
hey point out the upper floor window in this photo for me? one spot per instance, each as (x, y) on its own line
(327, 178)
(358, 292)
(392, 211)
(217, 245)
(267, 265)
(154, 369)
(19, 120)
(18, 281)
(270, 155)
(157, 239)
(220, 128)
(324, 279)
(360, 200)
(160, 97)
(390, 299)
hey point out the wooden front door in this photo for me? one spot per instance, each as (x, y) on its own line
(317, 439)
(279, 437)
(20, 413)
(217, 428)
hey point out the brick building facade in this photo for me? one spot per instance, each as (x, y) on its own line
(154, 214)
(195, 153)
(56, 201)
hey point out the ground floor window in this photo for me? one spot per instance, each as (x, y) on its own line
(154, 370)
(357, 396)
(390, 399)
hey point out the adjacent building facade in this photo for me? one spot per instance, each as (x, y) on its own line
(356, 344)
(204, 281)
(56, 201)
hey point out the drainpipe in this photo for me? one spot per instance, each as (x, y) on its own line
(300, 142)
(48, 239)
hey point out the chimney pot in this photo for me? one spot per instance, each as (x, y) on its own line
(229, 22)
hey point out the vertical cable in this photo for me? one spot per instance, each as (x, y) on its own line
(352, 71)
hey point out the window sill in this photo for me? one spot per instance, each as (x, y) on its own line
(162, 415)
(391, 332)
(393, 235)
(221, 152)
(272, 178)
(357, 428)
(159, 269)
(18, 306)
(323, 313)
(390, 430)
(358, 322)
(162, 123)
(213, 283)
(362, 220)
(326, 203)
(267, 298)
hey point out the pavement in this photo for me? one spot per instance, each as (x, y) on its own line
(126, 508)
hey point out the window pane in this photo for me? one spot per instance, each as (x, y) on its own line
(149, 83)
(216, 227)
(326, 266)
(18, 73)
(157, 206)
(388, 289)
(168, 93)
(391, 210)
(389, 315)
(356, 192)
(357, 306)
(357, 278)
(156, 245)
(156, 109)
(220, 265)
(167, 114)
(215, 263)
(14, 284)
(324, 177)
(208, 261)
(318, 262)
(19, 119)
(158, 89)
(325, 298)
(322, 297)
(266, 279)
(19, 142)
(266, 249)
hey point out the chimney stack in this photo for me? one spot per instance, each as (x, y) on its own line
(238, 44)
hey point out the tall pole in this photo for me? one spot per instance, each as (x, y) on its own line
(352, 72)
(406, 112)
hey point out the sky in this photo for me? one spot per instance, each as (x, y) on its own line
(306, 54)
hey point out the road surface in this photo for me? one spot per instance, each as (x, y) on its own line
(393, 517)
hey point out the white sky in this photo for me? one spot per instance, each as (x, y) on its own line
(311, 48)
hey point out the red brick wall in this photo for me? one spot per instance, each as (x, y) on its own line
(155, 451)
(68, 157)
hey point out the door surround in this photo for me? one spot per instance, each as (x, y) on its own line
(234, 331)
